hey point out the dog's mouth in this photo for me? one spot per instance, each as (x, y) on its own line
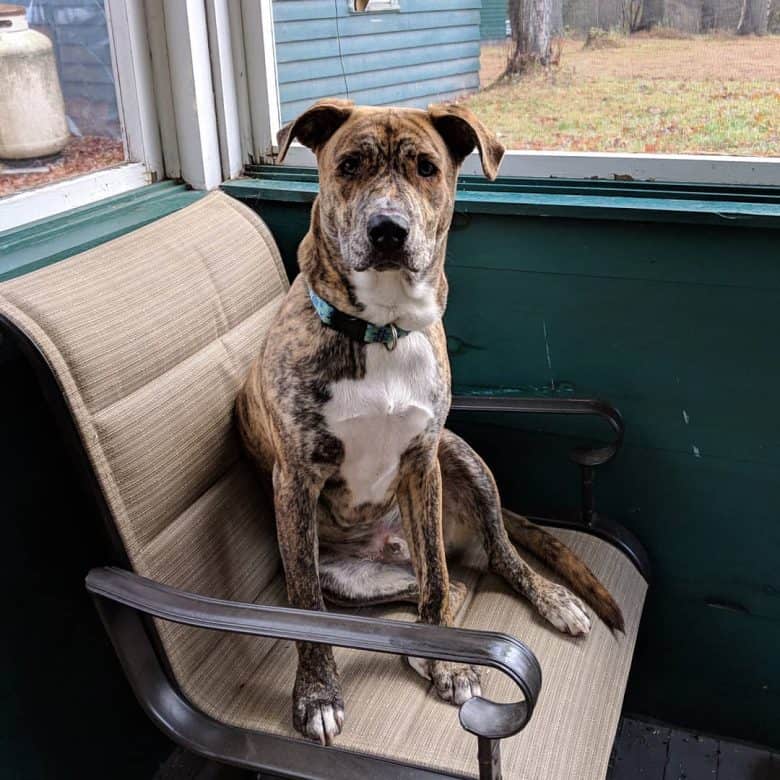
(396, 261)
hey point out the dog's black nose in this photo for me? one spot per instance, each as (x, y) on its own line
(387, 233)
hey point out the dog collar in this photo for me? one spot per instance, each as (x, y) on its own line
(354, 327)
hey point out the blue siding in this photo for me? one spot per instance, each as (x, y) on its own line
(427, 51)
(493, 20)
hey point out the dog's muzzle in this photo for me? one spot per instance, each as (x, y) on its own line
(387, 234)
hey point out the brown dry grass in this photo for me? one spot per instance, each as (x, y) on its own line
(715, 94)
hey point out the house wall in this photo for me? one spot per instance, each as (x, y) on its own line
(426, 52)
(492, 25)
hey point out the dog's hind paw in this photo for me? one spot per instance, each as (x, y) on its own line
(564, 610)
(455, 683)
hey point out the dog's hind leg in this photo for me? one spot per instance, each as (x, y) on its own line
(471, 507)
(349, 581)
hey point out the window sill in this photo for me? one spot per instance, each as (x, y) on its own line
(574, 199)
(30, 205)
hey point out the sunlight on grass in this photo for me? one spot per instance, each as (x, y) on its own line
(708, 95)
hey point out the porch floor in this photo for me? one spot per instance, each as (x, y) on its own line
(643, 751)
(648, 751)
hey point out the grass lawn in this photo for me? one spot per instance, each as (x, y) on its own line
(706, 94)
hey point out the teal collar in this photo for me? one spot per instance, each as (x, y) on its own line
(354, 327)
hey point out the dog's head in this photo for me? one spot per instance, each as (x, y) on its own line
(387, 180)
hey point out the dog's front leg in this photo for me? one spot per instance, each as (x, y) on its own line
(420, 502)
(318, 708)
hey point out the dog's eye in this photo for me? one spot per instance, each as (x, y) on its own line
(349, 165)
(425, 167)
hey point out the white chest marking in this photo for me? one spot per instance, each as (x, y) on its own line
(388, 296)
(377, 417)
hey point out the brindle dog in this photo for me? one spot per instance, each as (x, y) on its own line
(371, 492)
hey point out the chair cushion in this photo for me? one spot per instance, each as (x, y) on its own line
(150, 337)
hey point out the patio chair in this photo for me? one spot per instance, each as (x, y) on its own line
(142, 344)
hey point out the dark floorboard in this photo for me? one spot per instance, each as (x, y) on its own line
(643, 751)
(646, 751)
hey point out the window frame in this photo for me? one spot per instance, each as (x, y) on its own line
(380, 7)
(670, 168)
(131, 65)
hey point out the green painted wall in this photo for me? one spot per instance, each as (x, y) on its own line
(678, 325)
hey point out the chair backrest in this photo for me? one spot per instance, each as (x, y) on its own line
(149, 337)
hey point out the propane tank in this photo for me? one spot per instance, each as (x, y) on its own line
(32, 111)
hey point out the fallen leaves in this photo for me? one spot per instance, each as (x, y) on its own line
(80, 156)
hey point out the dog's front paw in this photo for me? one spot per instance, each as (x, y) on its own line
(564, 610)
(455, 683)
(318, 709)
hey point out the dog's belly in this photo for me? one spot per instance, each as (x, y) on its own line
(377, 417)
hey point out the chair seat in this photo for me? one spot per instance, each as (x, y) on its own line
(391, 711)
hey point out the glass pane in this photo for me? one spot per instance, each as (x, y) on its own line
(44, 137)
(626, 76)
(652, 76)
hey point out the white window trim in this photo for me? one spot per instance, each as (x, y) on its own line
(30, 205)
(138, 116)
(683, 168)
(263, 82)
(134, 81)
(673, 168)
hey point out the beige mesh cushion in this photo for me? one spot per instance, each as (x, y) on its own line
(150, 336)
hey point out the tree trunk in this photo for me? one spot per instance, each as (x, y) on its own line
(753, 17)
(632, 12)
(744, 23)
(531, 22)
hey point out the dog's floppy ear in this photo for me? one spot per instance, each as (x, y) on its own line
(462, 131)
(315, 125)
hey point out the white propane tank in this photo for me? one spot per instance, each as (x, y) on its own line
(32, 111)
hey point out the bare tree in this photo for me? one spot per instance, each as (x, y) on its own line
(531, 22)
(632, 13)
(745, 23)
(753, 17)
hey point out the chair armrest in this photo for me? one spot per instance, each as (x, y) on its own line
(484, 648)
(595, 456)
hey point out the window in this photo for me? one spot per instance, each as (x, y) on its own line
(685, 90)
(59, 116)
(375, 5)
(90, 94)
(631, 76)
